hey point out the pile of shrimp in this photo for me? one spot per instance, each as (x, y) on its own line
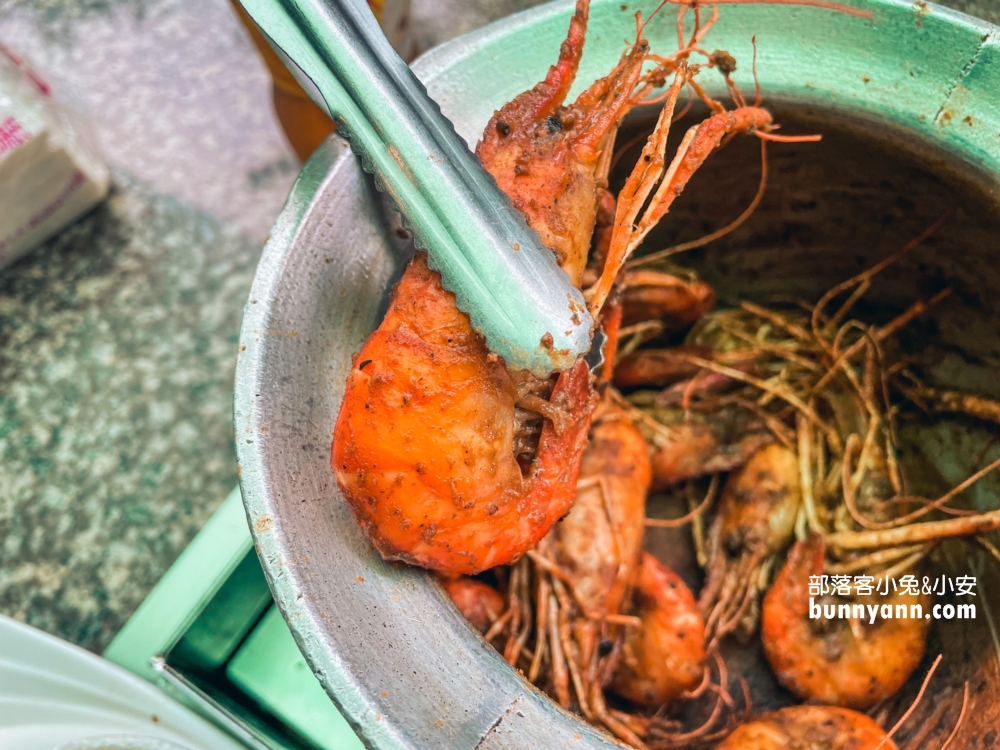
(528, 495)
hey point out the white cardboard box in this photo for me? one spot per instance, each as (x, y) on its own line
(49, 173)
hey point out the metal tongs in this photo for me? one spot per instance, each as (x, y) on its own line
(503, 277)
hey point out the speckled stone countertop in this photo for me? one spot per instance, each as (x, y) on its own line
(118, 337)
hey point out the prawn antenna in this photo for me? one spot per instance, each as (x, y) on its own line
(756, 81)
(649, 18)
(913, 706)
(961, 717)
(718, 233)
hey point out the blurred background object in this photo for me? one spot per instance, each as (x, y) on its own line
(306, 124)
(50, 173)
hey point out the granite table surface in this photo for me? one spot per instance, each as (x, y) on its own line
(118, 336)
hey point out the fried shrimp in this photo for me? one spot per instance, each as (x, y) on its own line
(480, 603)
(675, 301)
(846, 660)
(446, 458)
(809, 728)
(754, 524)
(424, 441)
(599, 542)
(665, 655)
(587, 565)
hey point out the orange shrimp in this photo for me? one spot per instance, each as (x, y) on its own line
(587, 565)
(437, 447)
(656, 302)
(670, 298)
(599, 542)
(665, 656)
(753, 524)
(809, 727)
(656, 368)
(689, 445)
(423, 446)
(480, 603)
(567, 595)
(846, 662)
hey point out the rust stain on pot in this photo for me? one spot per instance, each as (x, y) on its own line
(263, 523)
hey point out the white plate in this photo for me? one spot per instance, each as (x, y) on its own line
(55, 695)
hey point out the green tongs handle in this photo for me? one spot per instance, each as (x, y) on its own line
(521, 301)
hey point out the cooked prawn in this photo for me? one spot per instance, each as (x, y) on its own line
(446, 458)
(658, 300)
(754, 523)
(424, 443)
(481, 604)
(665, 655)
(657, 368)
(676, 300)
(849, 662)
(686, 445)
(584, 571)
(809, 728)
(599, 542)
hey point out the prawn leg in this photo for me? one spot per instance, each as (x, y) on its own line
(698, 144)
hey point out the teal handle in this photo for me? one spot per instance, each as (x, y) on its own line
(520, 300)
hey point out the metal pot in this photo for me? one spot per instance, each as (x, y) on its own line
(916, 86)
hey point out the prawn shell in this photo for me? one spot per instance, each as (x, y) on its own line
(479, 603)
(809, 727)
(834, 667)
(599, 541)
(652, 295)
(423, 444)
(666, 655)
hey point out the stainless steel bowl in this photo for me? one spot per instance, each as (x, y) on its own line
(397, 658)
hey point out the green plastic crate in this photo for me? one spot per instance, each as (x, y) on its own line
(210, 636)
